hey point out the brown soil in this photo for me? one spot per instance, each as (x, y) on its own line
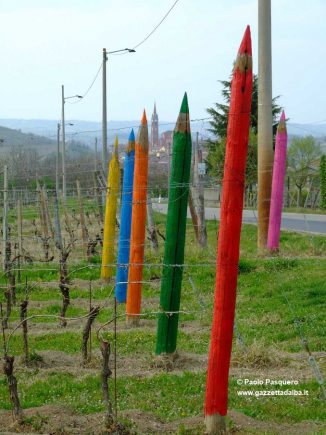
(60, 420)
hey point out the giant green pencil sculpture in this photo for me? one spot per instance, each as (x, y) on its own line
(175, 234)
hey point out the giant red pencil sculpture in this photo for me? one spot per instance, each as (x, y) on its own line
(229, 239)
(275, 213)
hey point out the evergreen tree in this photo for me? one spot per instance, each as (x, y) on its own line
(218, 127)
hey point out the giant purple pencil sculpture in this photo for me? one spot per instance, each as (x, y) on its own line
(275, 214)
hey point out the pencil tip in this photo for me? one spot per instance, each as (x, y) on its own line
(245, 46)
(184, 105)
(144, 119)
(132, 135)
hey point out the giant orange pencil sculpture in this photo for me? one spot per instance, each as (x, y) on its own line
(138, 223)
(229, 239)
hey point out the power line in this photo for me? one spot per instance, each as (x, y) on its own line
(151, 33)
(156, 27)
(89, 87)
(136, 46)
(131, 126)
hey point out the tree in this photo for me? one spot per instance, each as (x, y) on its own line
(219, 122)
(303, 160)
(323, 181)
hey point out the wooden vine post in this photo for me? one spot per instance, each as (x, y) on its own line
(44, 222)
(8, 369)
(125, 221)
(229, 240)
(105, 376)
(138, 225)
(93, 313)
(175, 233)
(279, 168)
(47, 211)
(20, 229)
(152, 233)
(199, 183)
(82, 217)
(110, 215)
(5, 232)
(193, 214)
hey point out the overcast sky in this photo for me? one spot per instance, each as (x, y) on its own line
(46, 43)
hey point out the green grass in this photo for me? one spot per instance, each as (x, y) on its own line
(168, 396)
(133, 342)
(276, 295)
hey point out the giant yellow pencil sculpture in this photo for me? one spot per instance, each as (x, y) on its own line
(107, 269)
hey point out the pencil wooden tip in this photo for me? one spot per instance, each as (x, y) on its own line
(243, 61)
(116, 144)
(144, 119)
(281, 128)
(183, 124)
(131, 142)
(184, 105)
(132, 135)
(245, 46)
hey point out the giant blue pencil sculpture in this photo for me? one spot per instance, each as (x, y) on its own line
(125, 224)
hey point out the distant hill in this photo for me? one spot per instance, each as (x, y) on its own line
(316, 130)
(83, 131)
(41, 133)
(10, 138)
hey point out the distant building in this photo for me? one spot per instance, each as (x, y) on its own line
(166, 140)
(154, 142)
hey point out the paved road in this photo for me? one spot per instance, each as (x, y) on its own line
(311, 223)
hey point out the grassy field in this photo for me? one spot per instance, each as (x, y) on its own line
(280, 303)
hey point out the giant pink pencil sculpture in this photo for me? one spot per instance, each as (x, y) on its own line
(275, 214)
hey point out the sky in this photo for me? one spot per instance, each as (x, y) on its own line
(47, 43)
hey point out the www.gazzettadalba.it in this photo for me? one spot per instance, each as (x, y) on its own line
(273, 393)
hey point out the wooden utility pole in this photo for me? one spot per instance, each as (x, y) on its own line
(104, 116)
(57, 183)
(5, 217)
(265, 120)
(64, 191)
